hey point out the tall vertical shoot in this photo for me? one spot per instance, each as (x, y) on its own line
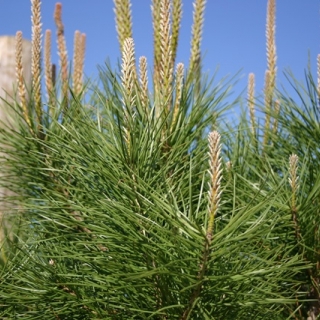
(215, 171)
(36, 57)
(251, 101)
(63, 54)
(270, 78)
(122, 10)
(197, 27)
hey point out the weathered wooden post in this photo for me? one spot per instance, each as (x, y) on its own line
(8, 87)
(8, 82)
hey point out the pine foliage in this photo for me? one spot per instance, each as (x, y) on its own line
(138, 204)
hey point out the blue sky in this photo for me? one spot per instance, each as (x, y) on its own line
(233, 38)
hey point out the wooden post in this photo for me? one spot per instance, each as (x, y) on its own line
(8, 87)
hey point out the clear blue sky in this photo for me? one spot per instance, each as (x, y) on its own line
(234, 32)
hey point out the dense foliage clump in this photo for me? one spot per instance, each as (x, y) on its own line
(136, 203)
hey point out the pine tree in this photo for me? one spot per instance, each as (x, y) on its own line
(145, 205)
